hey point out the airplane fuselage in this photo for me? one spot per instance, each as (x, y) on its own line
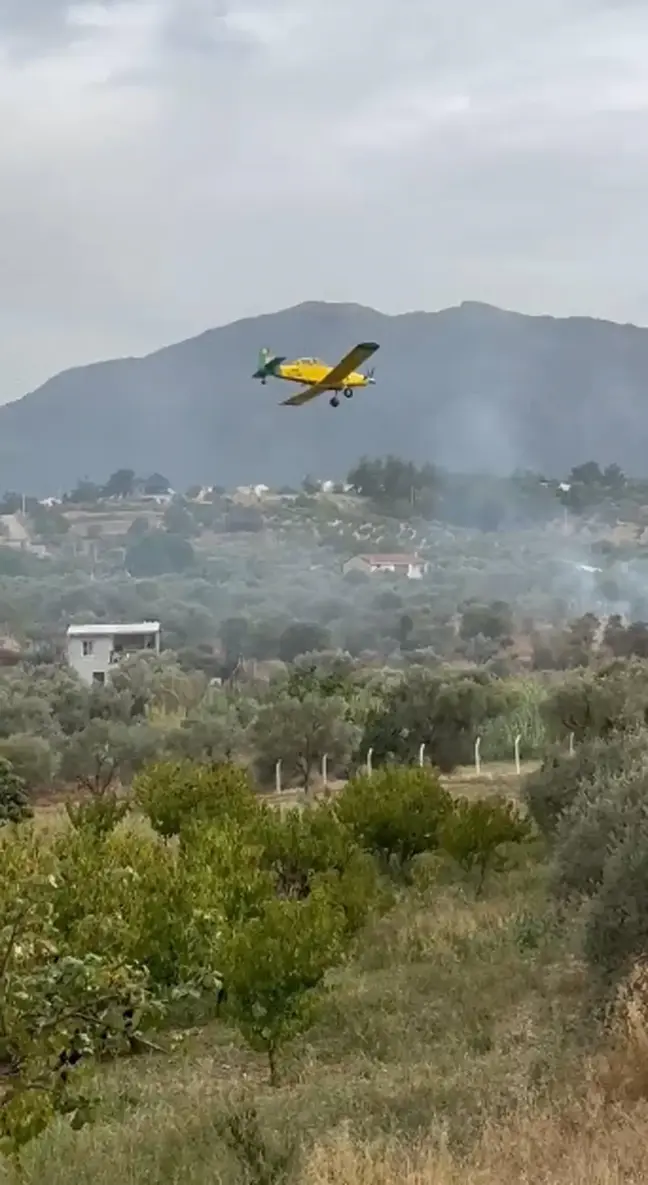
(305, 371)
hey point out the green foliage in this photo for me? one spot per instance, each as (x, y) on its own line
(14, 804)
(157, 553)
(616, 921)
(396, 813)
(33, 759)
(99, 814)
(303, 849)
(300, 731)
(444, 712)
(174, 794)
(604, 813)
(58, 1010)
(475, 831)
(303, 637)
(274, 969)
(105, 752)
(552, 789)
(599, 703)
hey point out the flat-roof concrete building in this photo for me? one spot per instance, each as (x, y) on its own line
(93, 649)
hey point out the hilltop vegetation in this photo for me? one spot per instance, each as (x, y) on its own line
(406, 966)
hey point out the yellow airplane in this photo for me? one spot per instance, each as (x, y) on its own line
(317, 375)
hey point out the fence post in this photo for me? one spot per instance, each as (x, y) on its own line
(517, 753)
(369, 765)
(422, 755)
(477, 756)
(278, 777)
(571, 744)
(325, 770)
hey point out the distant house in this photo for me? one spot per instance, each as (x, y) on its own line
(93, 649)
(411, 566)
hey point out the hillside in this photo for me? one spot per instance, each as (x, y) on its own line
(471, 388)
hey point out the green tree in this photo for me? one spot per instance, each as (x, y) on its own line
(178, 521)
(32, 758)
(158, 553)
(303, 637)
(396, 813)
(14, 804)
(274, 968)
(475, 833)
(443, 712)
(552, 790)
(299, 732)
(120, 484)
(173, 795)
(104, 753)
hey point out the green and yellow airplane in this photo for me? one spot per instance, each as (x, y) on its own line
(317, 375)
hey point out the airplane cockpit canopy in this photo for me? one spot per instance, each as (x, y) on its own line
(311, 361)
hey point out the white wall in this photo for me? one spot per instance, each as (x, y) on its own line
(99, 660)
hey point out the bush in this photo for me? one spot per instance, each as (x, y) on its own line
(32, 757)
(616, 920)
(603, 814)
(552, 789)
(14, 804)
(175, 794)
(310, 848)
(396, 813)
(474, 834)
(274, 968)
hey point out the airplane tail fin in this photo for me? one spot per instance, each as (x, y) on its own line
(263, 364)
(267, 364)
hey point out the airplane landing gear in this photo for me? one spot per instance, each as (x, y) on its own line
(335, 402)
(348, 393)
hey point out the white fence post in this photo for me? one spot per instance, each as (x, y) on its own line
(571, 744)
(422, 755)
(325, 770)
(369, 765)
(477, 756)
(278, 777)
(517, 753)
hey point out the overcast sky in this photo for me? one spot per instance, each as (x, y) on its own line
(170, 165)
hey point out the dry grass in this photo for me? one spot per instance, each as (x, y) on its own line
(585, 1144)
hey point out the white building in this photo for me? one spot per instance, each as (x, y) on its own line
(93, 649)
(411, 566)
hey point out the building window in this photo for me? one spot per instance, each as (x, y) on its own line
(98, 676)
(87, 649)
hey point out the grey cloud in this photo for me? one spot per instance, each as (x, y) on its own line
(191, 161)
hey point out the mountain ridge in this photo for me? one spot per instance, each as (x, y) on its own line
(472, 386)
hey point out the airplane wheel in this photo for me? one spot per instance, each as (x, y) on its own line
(348, 393)
(335, 402)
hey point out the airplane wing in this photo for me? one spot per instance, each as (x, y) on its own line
(349, 363)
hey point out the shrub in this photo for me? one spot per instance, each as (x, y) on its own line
(274, 967)
(174, 794)
(396, 813)
(99, 814)
(14, 804)
(616, 921)
(551, 790)
(310, 848)
(603, 814)
(474, 833)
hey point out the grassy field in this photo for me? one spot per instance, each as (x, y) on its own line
(456, 1049)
